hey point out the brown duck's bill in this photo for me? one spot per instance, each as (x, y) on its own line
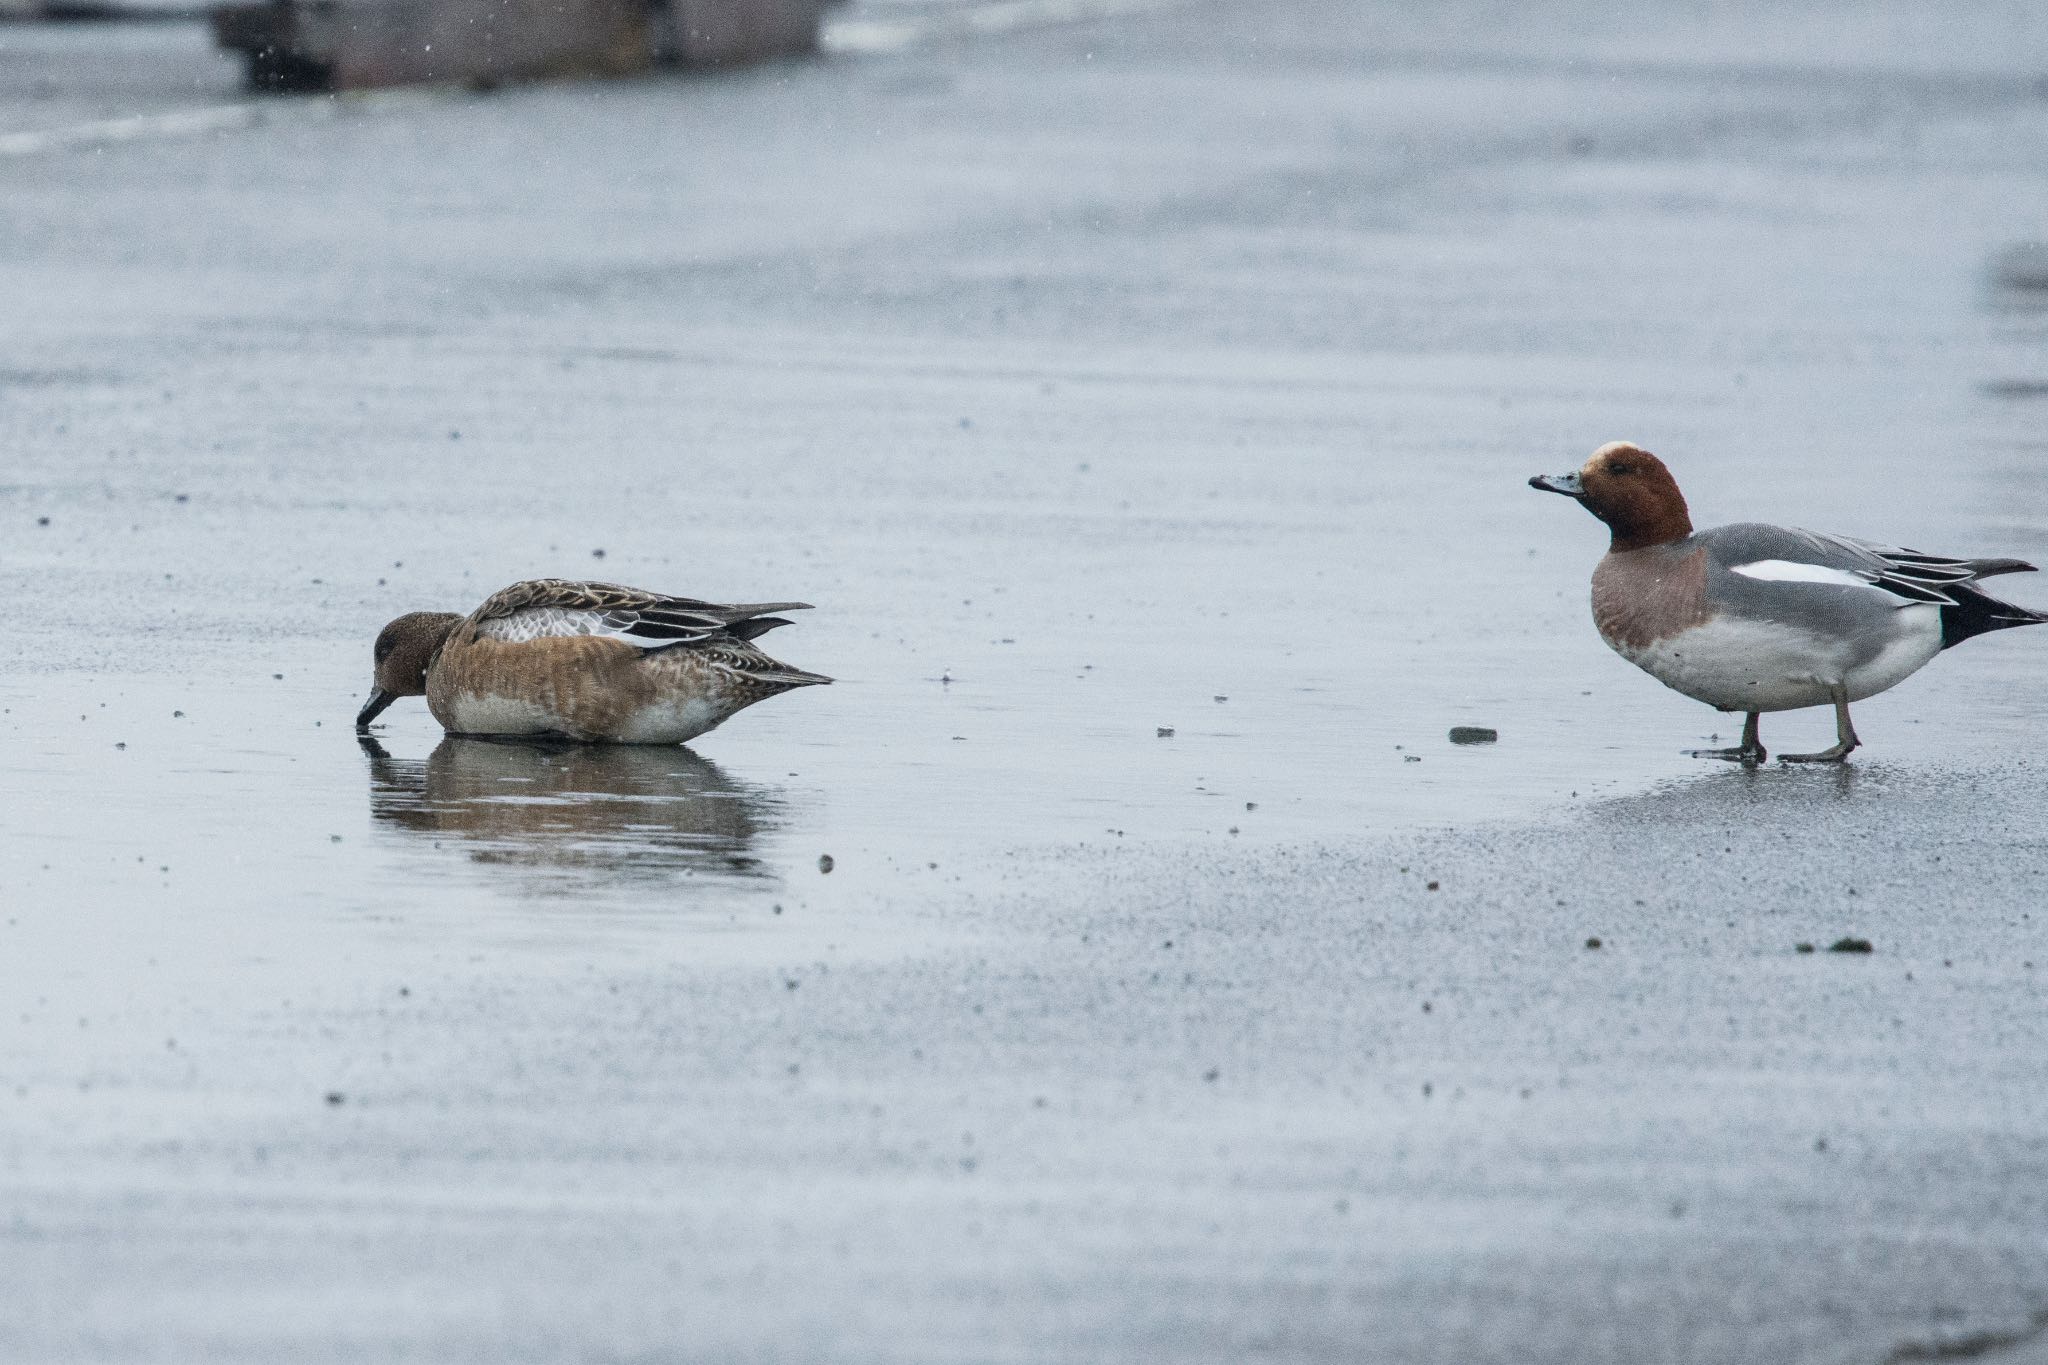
(1567, 484)
(374, 707)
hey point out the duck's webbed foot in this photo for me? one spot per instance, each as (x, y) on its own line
(1736, 755)
(1750, 751)
(1834, 753)
(1845, 736)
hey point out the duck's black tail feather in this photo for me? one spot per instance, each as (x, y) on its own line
(1976, 613)
(756, 626)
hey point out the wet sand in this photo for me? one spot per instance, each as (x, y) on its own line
(1180, 372)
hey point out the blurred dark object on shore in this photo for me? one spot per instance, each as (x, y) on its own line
(2022, 268)
(102, 11)
(297, 45)
(732, 32)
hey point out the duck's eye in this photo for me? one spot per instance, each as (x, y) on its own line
(383, 650)
(1614, 468)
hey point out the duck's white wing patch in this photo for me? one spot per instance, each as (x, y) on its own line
(1792, 571)
(539, 623)
(1900, 592)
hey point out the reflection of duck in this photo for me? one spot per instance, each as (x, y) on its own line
(616, 814)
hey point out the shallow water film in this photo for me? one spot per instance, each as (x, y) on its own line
(1229, 905)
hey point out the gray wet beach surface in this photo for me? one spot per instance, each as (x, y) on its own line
(1081, 377)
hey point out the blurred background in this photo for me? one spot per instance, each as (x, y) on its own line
(1144, 392)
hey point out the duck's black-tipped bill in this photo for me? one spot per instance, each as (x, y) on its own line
(374, 707)
(1567, 484)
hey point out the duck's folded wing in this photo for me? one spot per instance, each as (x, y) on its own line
(554, 606)
(1782, 554)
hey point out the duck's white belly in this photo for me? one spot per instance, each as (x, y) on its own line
(473, 713)
(666, 722)
(670, 722)
(1913, 645)
(1740, 665)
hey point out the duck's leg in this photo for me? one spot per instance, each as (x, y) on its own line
(1751, 750)
(1845, 735)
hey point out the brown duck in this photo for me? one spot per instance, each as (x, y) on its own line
(586, 661)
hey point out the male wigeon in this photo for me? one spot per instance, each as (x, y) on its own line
(1755, 618)
(584, 661)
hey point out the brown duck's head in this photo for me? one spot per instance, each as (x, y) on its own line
(1630, 489)
(404, 649)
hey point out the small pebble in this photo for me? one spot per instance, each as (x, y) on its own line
(335, 1097)
(824, 863)
(1592, 943)
(1850, 945)
(1473, 734)
(1166, 732)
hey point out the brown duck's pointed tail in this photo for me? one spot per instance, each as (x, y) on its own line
(788, 677)
(1979, 613)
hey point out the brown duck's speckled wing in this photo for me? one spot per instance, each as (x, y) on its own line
(544, 607)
